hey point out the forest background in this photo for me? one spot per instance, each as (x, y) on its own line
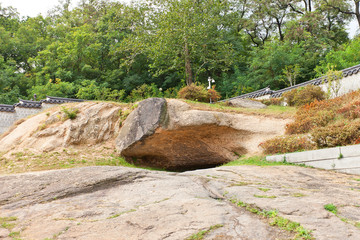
(104, 50)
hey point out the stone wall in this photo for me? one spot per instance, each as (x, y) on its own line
(9, 114)
(341, 159)
(6, 120)
(347, 84)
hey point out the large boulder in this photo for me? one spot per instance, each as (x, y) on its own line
(171, 135)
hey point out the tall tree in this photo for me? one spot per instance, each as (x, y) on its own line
(347, 7)
(186, 35)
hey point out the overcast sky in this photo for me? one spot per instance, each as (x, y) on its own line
(34, 7)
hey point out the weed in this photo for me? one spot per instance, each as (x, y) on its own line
(276, 220)
(341, 156)
(14, 234)
(119, 214)
(70, 113)
(331, 208)
(264, 189)
(200, 235)
(298, 195)
(264, 196)
(240, 184)
(7, 222)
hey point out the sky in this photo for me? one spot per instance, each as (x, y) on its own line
(34, 7)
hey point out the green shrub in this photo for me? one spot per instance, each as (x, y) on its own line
(331, 208)
(143, 92)
(213, 94)
(286, 144)
(70, 113)
(303, 95)
(272, 101)
(194, 92)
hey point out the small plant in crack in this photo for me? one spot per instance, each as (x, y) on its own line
(331, 208)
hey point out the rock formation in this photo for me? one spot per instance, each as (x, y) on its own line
(126, 203)
(48, 131)
(246, 103)
(171, 135)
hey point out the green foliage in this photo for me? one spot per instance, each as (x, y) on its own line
(333, 82)
(144, 91)
(304, 95)
(90, 90)
(346, 56)
(70, 113)
(194, 92)
(56, 88)
(331, 208)
(104, 50)
(256, 160)
(276, 220)
(287, 144)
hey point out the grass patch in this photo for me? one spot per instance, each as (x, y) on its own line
(275, 220)
(263, 196)
(257, 161)
(264, 189)
(201, 234)
(331, 208)
(298, 195)
(119, 214)
(8, 222)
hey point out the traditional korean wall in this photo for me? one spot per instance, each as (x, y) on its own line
(7, 119)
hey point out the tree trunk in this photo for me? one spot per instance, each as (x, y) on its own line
(188, 71)
(279, 23)
(357, 12)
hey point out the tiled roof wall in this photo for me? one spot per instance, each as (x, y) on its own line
(275, 94)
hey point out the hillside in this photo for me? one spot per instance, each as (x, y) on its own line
(321, 124)
(232, 202)
(50, 140)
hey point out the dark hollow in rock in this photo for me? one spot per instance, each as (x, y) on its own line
(187, 148)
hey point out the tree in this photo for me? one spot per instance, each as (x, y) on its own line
(347, 7)
(183, 35)
(291, 72)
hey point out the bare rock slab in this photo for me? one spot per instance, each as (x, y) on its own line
(169, 134)
(246, 103)
(127, 203)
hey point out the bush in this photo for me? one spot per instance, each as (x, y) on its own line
(70, 113)
(194, 92)
(272, 101)
(304, 95)
(340, 133)
(143, 92)
(287, 144)
(213, 94)
(90, 90)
